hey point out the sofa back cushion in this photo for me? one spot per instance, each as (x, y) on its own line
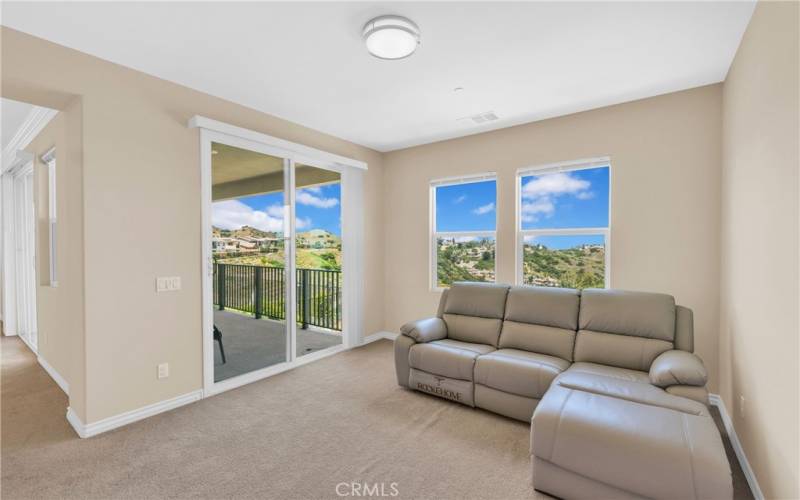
(541, 320)
(624, 329)
(474, 312)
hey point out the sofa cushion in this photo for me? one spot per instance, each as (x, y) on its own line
(638, 314)
(537, 338)
(448, 358)
(610, 371)
(649, 450)
(518, 372)
(635, 353)
(628, 390)
(484, 300)
(473, 329)
(556, 307)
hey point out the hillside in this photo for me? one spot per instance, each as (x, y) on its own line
(464, 261)
(318, 238)
(242, 232)
(577, 267)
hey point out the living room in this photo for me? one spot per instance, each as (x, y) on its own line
(461, 204)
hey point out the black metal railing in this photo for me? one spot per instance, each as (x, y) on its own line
(261, 291)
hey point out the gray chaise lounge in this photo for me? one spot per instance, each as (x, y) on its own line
(616, 397)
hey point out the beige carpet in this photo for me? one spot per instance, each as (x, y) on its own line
(296, 435)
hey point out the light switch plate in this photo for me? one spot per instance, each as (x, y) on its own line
(168, 283)
(163, 370)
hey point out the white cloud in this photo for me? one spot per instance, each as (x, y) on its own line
(465, 239)
(531, 210)
(275, 211)
(554, 185)
(233, 214)
(484, 209)
(314, 189)
(459, 199)
(305, 197)
(302, 223)
(539, 195)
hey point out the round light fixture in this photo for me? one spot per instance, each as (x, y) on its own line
(391, 37)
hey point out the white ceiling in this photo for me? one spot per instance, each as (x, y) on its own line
(305, 62)
(14, 114)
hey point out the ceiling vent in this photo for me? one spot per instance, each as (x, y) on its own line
(486, 116)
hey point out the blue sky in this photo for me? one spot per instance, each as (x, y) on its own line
(578, 198)
(317, 207)
(573, 199)
(561, 242)
(466, 207)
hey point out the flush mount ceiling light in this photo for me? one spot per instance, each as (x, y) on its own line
(391, 37)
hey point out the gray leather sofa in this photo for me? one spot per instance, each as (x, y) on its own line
(617, 399)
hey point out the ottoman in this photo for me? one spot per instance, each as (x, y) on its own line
(594, 436)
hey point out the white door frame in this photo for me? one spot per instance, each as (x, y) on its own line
(351, 179)
(19, 264)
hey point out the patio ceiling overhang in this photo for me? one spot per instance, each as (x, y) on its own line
(239, 172)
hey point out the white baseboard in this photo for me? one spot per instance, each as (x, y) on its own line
(106, 424)
(54, 375)
(716, 400)
(378, 336)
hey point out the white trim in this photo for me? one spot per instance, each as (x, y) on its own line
(263, 373)
(434, 235)
(49, 159)
(717, 401)
(464, 179)
(289, 147)
(62, 383)
(520, 234)
(107, 424)
(379, 336)
(36, 120)
(565, 166)
(352, 238)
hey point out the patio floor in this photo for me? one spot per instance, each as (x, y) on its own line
(251, 344)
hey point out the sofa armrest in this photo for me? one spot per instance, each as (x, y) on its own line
(425, 330)
(678, 368)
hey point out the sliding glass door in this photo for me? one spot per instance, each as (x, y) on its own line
(318, 245)
(274, 244)
(249, 236)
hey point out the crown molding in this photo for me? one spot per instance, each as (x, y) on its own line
(36, 120)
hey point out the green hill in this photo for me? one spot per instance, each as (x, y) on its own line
(576, 267)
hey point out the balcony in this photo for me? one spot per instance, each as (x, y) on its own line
(250, 312)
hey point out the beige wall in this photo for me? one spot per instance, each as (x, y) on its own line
(60, 309)
(759, 274)
(665, 154)
(141, 202)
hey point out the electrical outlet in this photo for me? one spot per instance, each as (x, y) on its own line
(163, 370)
(741, 406)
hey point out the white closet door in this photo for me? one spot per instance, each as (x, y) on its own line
(25, 258)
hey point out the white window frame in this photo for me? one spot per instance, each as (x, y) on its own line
(521, 234)
(49, 159)
(352, 200)
(435, 235)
